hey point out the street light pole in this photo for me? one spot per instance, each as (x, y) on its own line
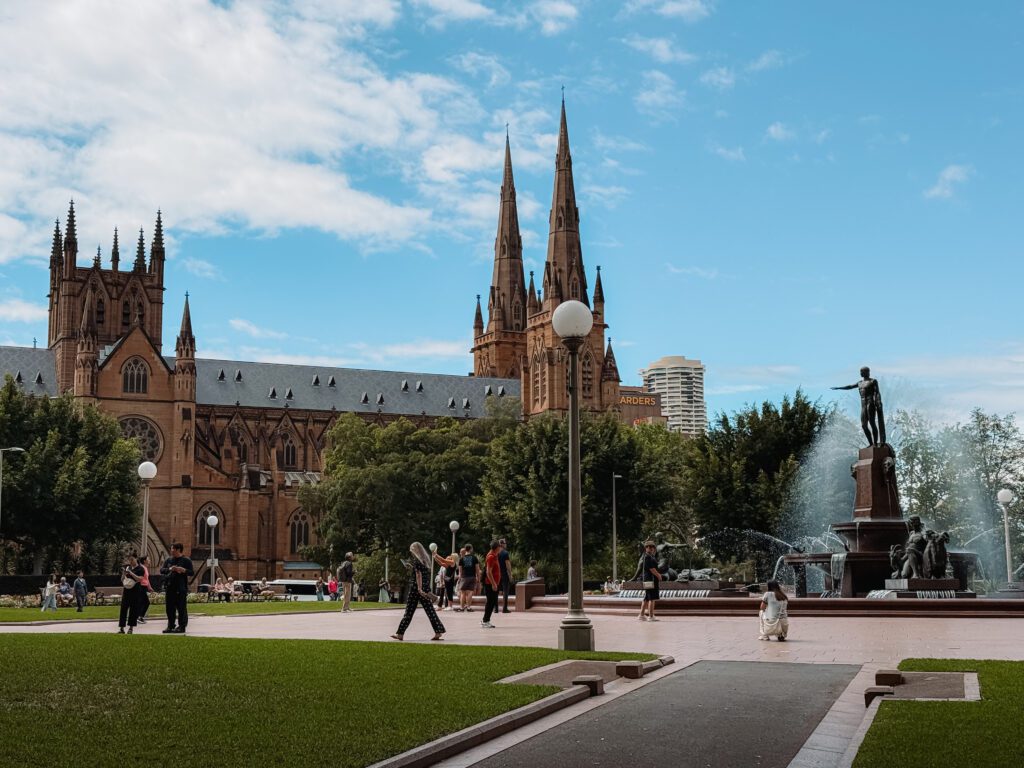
(572, 321)
(615, 535)
(13, 449)
(1004, 497)
(147, 471)
(212, 522)
(453, 526)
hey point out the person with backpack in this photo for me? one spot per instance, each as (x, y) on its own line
(469, 573)
(346, 575)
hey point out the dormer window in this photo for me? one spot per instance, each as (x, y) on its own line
(465, 403)
(238, 374)
(405, 385)
(288, 395)
(380, 398)
(487, 390)
(419, 386)
(331, 382)
(316, 380)
(364, 399)
(221, 376)
(273, 393)
(501, 391)
(451, 402)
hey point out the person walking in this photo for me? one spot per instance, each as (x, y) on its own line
(446, 573)
(419, 594)
(143, 597)
(505, 567)
(50, 594)
(346, 574)
(81, 591)
(774, 613)
(492, 583)
(651, 578)
(177, 570)
(332, 588)
(469, 573)
(319, 588)
(131, 578)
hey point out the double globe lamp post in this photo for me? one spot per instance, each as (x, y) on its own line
(572, 321)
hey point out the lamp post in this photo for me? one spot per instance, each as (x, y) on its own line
(212, 522)
(572, 321)
(615, 535)
(433, 551)
(147, 471)
(453, 526)
(1005, 496)
(15, 449)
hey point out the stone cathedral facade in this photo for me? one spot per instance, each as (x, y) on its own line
(518, 340)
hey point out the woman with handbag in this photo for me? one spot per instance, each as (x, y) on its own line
(420, 594)
(131, 581)
(651, 579)
(774, 613)
(50, 594)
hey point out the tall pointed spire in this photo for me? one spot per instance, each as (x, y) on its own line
(140, 255)
(96, 259)
(87, 329)
(184, 359)
(115, 253)
(72, 230)
(70, 243)
(610, 371)
(598, 289)
(531, 298)
(57, 247)
(565, 256)
(506, 306)
(186, 346)
(478, 320)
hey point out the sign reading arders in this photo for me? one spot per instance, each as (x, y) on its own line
(638, 406)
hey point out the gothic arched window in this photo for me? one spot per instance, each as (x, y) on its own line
(135, 377)
(203, 528)
(290, 454)
(298, 531)
(574, 288)
(126, 313)
(588, 375)
(101, 312)
(243, 451)
(517, 316)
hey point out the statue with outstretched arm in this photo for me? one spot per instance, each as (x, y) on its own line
(872, 417)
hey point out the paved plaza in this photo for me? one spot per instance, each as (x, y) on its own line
(867, 643)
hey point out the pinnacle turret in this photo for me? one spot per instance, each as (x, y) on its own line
(531, 297)
(478, 320)
(70, 245)
(140, 255)
(186, 346)
(57, 247)
(87, 328)
(598, 289)
(610, 370)
(115, 253)
(96, 258)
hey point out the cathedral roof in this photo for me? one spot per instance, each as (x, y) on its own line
(389, 392)
(38, 369)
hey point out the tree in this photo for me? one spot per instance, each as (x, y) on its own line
(76, 481)
(739, 475)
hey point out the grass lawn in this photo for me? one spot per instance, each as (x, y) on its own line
(156, 612)
(969, 734)
(97, 700)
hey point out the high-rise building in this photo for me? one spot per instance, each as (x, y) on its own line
(681, 384)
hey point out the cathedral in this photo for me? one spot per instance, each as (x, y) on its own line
(238, 439)
(518, 340)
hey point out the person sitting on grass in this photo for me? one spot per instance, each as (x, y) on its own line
(774, 613)
(419, 594)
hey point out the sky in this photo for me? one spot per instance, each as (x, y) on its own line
(785, 191)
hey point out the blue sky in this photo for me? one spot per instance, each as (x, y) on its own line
(784, 190)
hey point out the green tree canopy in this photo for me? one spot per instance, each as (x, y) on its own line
(76, 481)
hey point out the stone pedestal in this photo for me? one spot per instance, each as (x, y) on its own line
(875, 473)
(576, 634)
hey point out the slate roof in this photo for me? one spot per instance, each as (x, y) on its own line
(31, 363)
(355, 390)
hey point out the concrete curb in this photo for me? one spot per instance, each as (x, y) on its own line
(858, 737)
(453, 744)
(53, 622)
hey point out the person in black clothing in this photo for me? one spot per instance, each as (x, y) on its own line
(505, 565)
(419, 594)
(177, 570)
(649, 574)
(130, 595)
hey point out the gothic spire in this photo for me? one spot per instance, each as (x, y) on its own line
(156, 250)
(478, 320)
(158, 234)
(507, 303)
(140, 255)
(598, 289)
(72, 232)
(96, 258)
(115, 253)
(531, 297)
(70, 248)
(87, 330)
(564, 254)
(58, 245)
(186, 345)
(610, 371)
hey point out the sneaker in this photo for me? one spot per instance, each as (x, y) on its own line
(652, 618)
(120, 630)
(142, 621)
(486, 625)
(763, 637)
(782, 639)
(169, 631)
(506, 611)
(178, 631)
(131, 630)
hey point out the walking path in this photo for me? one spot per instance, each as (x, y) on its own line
(868, 643)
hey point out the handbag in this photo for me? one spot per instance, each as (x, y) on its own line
(648, 585)
(128, 582)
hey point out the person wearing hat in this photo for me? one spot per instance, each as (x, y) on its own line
(419, 594)
(651, 578)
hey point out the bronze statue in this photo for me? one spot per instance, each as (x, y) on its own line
(913, 550)
(924, 555)
(872, 417)
(935, 557)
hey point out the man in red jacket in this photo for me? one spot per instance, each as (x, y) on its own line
(492, 583)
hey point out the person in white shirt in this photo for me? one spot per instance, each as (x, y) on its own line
(774, 613)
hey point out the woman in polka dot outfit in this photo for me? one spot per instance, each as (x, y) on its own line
(419, 594)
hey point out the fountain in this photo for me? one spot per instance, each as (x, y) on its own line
(885, 553)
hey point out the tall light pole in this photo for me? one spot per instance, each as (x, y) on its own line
(1005, 496)
(212, 522)
(433, 551)
(615, 534)
(147, 471)
(15, 449)
(572, 321)
(453, 526)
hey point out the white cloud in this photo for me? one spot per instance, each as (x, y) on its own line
(553, 16)
(949, 176)
(605, 196)
(821, 136)
(721, 78)
(475, 63)
(701, 272)
(251, 329)
(732, 154)
(659, 96)
(779, 132)
(767, 60)
(21, 311)
(606, 143)
(735, 389)
(661, 49)
(688, 10)
(455, 10)
(200, 268)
